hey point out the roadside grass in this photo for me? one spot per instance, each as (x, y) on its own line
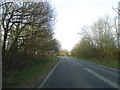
(105, 63)
(18, 79)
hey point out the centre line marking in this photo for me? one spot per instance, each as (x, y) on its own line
(80, 64)
(102, 78)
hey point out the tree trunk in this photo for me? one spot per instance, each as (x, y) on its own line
(4, 42)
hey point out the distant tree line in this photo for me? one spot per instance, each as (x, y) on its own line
(99, 41)
(64, 52)
(27, 31)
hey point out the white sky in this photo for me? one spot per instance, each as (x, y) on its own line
(73, 14)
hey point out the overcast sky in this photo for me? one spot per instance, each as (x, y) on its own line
(73, 14)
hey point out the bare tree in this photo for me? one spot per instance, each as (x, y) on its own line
(16, 16)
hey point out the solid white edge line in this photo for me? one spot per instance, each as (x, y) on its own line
(102, 65)
(49, 75)
(109, 67)
(102, 78)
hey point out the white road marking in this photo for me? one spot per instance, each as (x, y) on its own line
(109, 67)
(48, 75)
(80, 64)
(102, 78)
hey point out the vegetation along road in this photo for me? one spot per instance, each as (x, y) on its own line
(75, 73)
(31, 45)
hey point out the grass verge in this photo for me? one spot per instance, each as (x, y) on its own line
(18, 79)
(105, 63)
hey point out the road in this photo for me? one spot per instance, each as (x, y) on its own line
(75, 73)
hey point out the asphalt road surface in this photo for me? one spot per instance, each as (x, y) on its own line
(75, 73)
